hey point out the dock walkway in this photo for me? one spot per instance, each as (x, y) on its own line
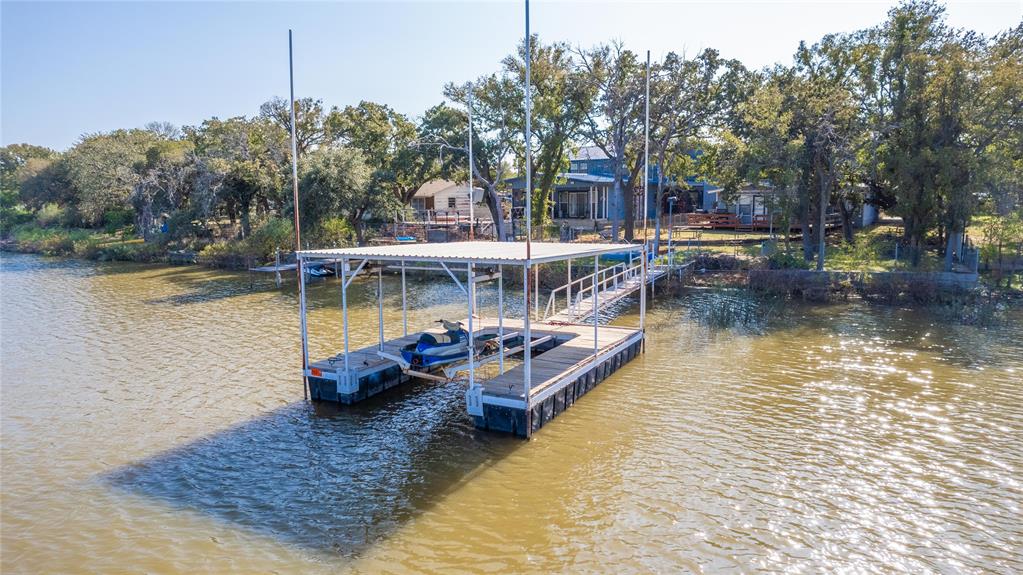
(611, 291)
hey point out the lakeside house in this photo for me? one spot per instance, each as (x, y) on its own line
(751, 205)
(581, 198)
(447, 200)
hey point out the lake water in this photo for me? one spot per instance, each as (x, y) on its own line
(153, 421)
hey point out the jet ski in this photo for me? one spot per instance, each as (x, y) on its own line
(319, 271)
(436, 349)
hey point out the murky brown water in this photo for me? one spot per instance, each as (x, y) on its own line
(152, 421)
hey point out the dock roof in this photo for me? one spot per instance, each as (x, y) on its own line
(473, 252)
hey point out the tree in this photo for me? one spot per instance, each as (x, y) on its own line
(688, 98)
(762, 146)
(160, 182)
(560, 98)
(387, 140)
(615, 120)
(445, 129)
(250, 157)
(336, 182)
(311, 124)
(100, 167)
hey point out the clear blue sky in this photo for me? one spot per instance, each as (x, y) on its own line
(74, 68)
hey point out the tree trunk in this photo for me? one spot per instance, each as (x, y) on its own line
(847, 223)
(616, 194)
(949, 250)
(822, 233)
(246, 219)
(496, 212)
(359, 227)
(629, 197)
(806, 233)
(658, 211)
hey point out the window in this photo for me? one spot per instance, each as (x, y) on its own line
(581, 166)
(452, 201)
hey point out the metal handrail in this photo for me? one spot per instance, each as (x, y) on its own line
(599, 278)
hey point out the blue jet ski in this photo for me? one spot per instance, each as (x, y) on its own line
(436, 349)
(319, 271)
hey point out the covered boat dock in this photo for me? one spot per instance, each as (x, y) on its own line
(542, 367)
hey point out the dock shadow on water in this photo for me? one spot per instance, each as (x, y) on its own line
(332, 479)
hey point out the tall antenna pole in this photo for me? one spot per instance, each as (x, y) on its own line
(529, 150)
(646, 151)
(298, 232)
(472, 199)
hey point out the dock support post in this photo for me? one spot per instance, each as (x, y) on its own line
(304, 326)
(277, 267)
(380, 305)
(527, 341)
(500, 317)
(404, 304)
(642, 299)
(472, 334)
(344, 312)
(596, 314)
(568, 287)
(536, 293)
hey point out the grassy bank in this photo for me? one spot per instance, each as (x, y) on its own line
(123, 245)
(83, 243)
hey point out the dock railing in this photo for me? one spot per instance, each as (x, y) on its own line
(576, 290)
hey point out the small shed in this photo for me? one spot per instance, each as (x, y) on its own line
(448, 200)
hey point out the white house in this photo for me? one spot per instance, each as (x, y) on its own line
(445, 199)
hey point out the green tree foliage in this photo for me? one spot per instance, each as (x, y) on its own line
(312, 125)
(920, 119)
(101, 167)
(336, 182)
(615, 120)
(445, 131)
(561, 97)
(386, 139)
(688, 99)
(244, 161)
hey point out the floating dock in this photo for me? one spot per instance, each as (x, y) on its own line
(563, 368)
(532, 383)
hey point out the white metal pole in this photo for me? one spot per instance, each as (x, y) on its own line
(472, 199)
(536, 292)
(344, 311)
(303, 323)
(642, 299)
(596, 313)
(298, 228)
(404, 304)
(500, 316)
(568, 286)
(472, 334)
(527, 348)
(529, 140)
(646, 150)
(294, 146)
(380, 304)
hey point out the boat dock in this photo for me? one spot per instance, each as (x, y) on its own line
(538, 365)
(562, 370)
